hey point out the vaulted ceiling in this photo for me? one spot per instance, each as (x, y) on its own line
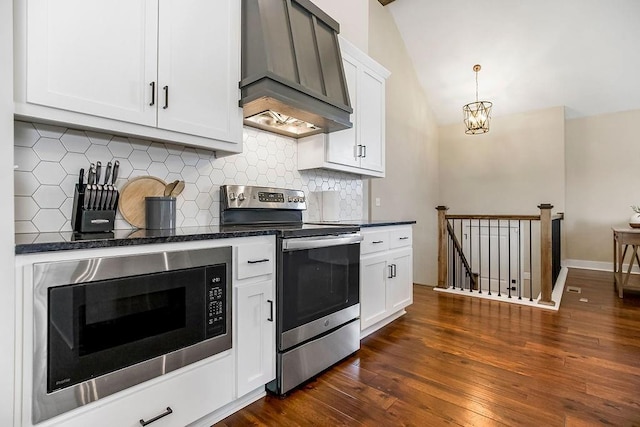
(583, 54)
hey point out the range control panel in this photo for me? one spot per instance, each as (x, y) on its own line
(252, 197)
(216, 300)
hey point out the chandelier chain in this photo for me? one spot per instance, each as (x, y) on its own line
(476, 86)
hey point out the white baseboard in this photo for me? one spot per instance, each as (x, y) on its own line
(596, 265)
(555, 296)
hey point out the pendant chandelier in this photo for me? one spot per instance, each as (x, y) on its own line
(477, 114)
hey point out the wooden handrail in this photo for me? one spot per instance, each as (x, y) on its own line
(501, 217)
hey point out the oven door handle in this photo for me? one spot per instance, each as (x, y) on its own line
(302, 243)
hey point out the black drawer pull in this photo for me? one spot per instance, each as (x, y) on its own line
(153, 93)
(377, 241)
(166, 97)
(270, 319)
(404, 238)
(258, 261)
(164, 414)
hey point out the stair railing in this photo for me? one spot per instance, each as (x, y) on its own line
(497, 254)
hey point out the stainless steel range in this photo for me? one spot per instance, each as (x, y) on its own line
(318, 275)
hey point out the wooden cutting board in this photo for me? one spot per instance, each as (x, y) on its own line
(132, 195)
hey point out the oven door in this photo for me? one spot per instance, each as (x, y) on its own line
(319, 285)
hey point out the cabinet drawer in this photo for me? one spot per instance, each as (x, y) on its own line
(190, 395)
(400, 238)
(374, 241)
(254, 260)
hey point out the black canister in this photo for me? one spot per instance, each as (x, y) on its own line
(160, 213)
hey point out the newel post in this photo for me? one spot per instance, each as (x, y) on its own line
(442, 246)
(546, 261)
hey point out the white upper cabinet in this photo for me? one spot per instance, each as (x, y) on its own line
(341, 146)
(93, 57)
(195, 40)
(158, 69)
(360, 149)
(371, 119)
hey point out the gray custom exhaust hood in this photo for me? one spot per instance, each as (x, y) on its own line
(293, 81)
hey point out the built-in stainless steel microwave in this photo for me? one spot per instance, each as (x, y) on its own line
(104, 324)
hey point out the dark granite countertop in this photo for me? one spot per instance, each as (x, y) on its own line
(29, 243)
(363, 223)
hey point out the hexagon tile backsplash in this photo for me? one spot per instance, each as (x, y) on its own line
(48, 159)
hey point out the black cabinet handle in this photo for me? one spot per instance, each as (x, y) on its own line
(377, 241)
(270, 319)
(390, 276)
(257, 261)
(404, 238)
(364, 151)
(153, 93)
(164, 414)
(166, 97)
(393, 270)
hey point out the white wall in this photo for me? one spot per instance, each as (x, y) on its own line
(517, 165)
(353, 17)
(603, 155)
(410, 188)
(7, 249)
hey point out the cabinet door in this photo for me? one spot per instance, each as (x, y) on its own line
(371, 118)
(199, 68)
(94, 57)
(400, 287)
(373, 298)
(341, 146)
(255, 335)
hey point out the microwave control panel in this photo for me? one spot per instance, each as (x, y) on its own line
(216, 300)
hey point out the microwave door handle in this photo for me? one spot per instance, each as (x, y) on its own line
(303, 243)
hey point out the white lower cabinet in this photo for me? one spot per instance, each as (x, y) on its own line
(190, 394)
(254, 322)
(386, 275)
(255, 344)
(201, 393)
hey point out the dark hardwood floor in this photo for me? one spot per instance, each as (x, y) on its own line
(453, 360)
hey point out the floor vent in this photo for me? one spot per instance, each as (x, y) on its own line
(574, 289)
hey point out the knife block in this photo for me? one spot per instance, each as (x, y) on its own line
(91, 220)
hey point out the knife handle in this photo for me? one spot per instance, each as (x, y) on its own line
(92, 174)
(98, 171)
(105, 197)
(107, 174)
(116, 169)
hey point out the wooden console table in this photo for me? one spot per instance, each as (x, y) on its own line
(623, 238)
